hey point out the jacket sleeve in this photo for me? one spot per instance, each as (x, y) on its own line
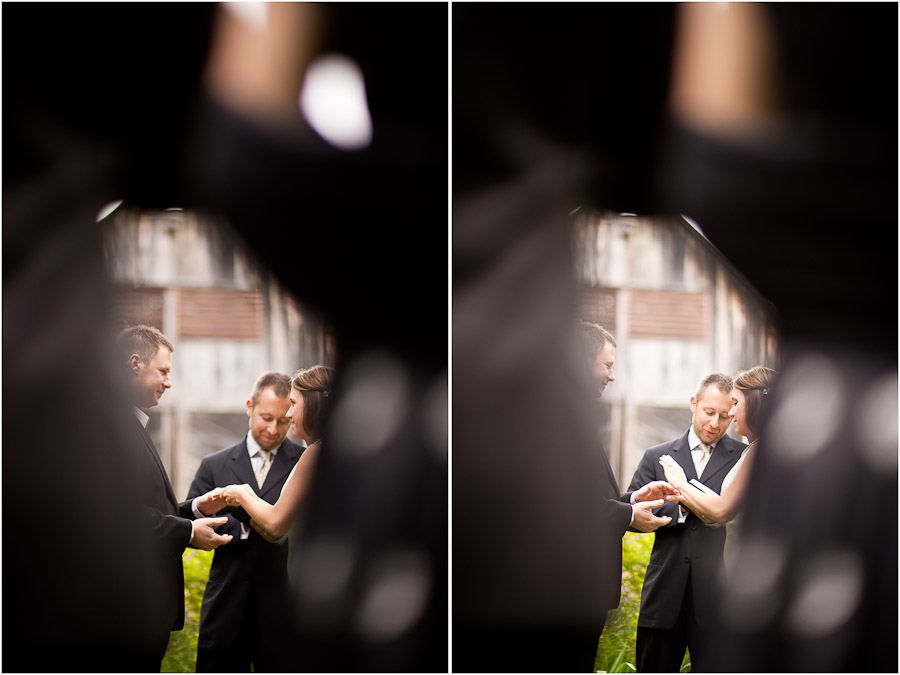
(172, 532)
(618, 513)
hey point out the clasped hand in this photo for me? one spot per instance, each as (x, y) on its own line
(676, 476)
(234, 494)
(204, 535)
(212, 502)
(647, 498)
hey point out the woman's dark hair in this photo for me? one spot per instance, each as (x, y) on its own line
(756, 383)
(314, 385)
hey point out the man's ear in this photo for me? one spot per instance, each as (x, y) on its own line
(249, 408)
(134, 363)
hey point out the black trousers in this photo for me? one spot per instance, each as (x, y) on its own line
(662, 651)
(266, 653)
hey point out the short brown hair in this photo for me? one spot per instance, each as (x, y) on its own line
(722, 381)
(595, 338)
(143, 340)
(279, 383)
(756, 383)
(314, 385)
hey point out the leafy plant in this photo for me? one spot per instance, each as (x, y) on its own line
(620, 665)
(615, 652)
(181, 656)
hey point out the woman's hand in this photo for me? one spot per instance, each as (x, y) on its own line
(674, 472)
(234, 494)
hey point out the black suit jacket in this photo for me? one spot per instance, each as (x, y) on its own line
(616, 512)
(682, 551)
(246, 573)
(170, 529)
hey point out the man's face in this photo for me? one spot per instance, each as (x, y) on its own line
(711, 418)
(269, 422)
(151, 379)
(602, 368)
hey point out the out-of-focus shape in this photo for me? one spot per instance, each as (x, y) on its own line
(254, 14)
(108, 209)
(803, 424)
(259, 55)
(876, 425)
(322, 580)
(374, 406)
(755, 583)
(724, 77)
(333, 100)
(396, 594)
(828, 594)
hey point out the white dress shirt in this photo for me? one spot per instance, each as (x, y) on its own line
(696, 454)
(256, 459)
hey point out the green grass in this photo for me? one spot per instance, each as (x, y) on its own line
(181, 656)
(615, 650)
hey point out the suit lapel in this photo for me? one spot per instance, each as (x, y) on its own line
(151, 448)
(724, 452)
(239, 462)
(681, 453)
(284, 461)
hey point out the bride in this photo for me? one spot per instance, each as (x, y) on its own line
(750, 397)
(310, 389)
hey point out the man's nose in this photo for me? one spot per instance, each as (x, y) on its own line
(612, 375)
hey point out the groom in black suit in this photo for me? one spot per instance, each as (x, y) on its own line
(677, 600)
(245, 617)
(171, 526)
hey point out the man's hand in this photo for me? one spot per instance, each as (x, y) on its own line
(658, 489)
(205, 537)
(644, 520)
(212, 502)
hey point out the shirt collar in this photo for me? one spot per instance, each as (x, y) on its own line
(694, 439)
(142, 417)
(253, 446)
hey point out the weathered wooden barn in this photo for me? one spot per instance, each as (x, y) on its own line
(679, 311)
(230, 320)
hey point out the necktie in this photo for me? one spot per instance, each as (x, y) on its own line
(700, 464)
(262, 467)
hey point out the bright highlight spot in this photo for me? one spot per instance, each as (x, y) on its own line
(255, 14)
(693, 223)
(107, 210)
(333, 101)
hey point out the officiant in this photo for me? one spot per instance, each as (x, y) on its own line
(246, 611)
(679, 593)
